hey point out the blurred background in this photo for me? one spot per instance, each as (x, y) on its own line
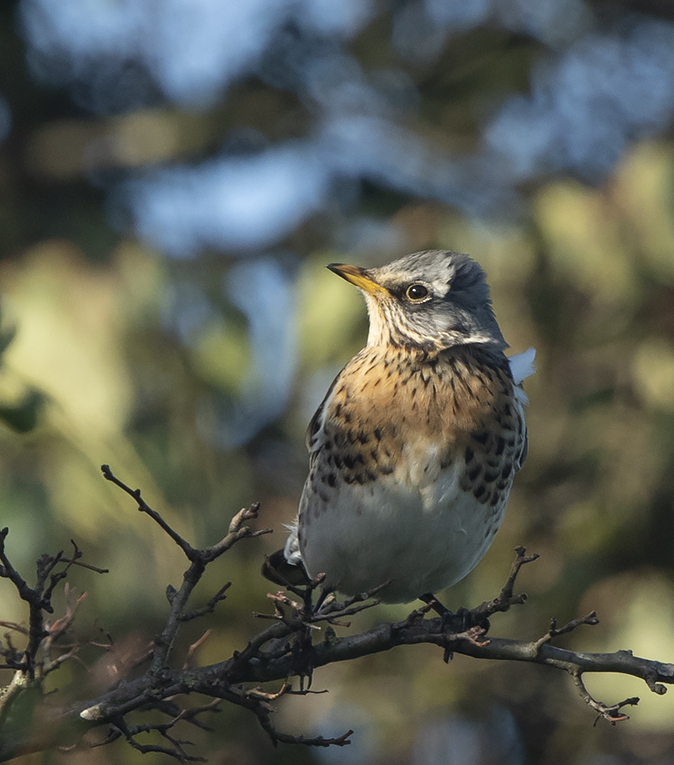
(173, 179)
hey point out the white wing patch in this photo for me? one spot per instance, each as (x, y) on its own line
(291, 550)
(521, 367)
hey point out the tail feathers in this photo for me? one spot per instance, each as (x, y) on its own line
(278, 570)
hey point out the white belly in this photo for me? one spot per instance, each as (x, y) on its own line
(422, 539)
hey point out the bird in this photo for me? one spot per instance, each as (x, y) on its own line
(415, 446)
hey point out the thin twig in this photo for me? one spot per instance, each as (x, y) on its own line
(610, 713)
(143, 507)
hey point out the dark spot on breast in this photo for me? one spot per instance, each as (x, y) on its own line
(469, 454)
(324, 497)
(385, 469)
(338, 409)
(362, 437)
(481, 437)
(507, 411)
(445, 462)
(331, 479)
(495, 498)
(376, 382)
(414, 392)
(377, 434)
(338, 462)
(479, 491)
(351, 460)
(500, 445)
(507, 470)
(328, 445)
(347, 416)
(490, 477)
(474, 472)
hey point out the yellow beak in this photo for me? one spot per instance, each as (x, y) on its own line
(358, 276)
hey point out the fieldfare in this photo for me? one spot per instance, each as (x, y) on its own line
(416, 444)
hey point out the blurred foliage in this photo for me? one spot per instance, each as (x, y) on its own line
(194, 375)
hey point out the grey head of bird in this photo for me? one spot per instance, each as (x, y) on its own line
(430, 300)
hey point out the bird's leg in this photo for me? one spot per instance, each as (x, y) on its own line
(460, 621)
(325, 591)
(435, 604)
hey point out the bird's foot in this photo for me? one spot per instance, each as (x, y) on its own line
(459, 622)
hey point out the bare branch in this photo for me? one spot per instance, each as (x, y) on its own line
(553, 632)
(300, 640)
(143, 507)
(610, 713)
(285, 738)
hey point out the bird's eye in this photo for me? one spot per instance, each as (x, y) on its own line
(416, 293)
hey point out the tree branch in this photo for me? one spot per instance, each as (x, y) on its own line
(300, 640)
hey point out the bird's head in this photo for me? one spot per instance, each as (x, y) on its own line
(431, 300)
